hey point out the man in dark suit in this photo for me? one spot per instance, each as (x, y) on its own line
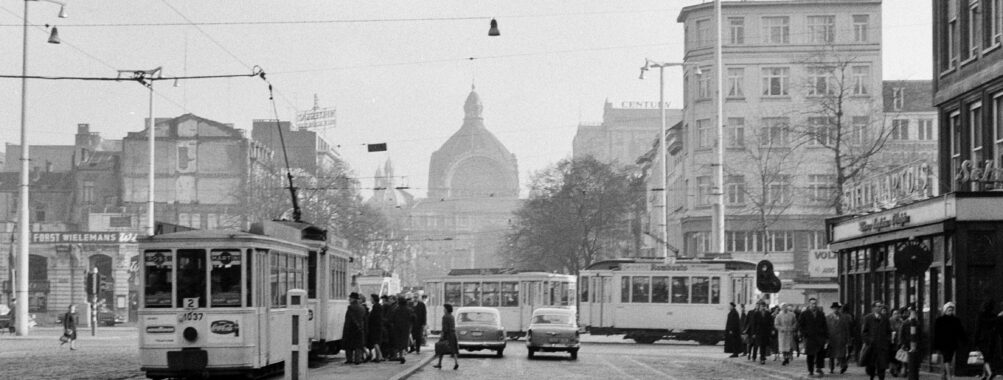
(760, 330)
(420, 320)
(815, 333)
(876, 334)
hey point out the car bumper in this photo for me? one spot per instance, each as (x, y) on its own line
(474, 345)
(553, 346)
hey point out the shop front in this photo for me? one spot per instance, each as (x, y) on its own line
(923, 254)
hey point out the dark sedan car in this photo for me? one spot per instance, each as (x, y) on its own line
(553, 330)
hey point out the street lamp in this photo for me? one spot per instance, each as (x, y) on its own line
(146, 78)
(648, 64)
(21, 272)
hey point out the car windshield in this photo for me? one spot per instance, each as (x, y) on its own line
(553, 319)
(478, 317)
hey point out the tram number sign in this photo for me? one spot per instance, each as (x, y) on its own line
(190, 303)
(190, 316)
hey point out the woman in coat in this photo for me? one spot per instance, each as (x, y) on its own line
(400, 330)
(70, 327)
(375, 329)
(353, 337)
(785, 325)
(733, 333)
(948, 335)
(449, 335)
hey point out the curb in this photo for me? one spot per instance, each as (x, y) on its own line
(413, 368)
(750, 364)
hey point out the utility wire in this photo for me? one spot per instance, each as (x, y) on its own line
(131, 79)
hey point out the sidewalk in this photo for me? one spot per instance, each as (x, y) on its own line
(335, 367)
(798, 369)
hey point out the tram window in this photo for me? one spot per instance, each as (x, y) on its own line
(489, 294)
(470, 294)
(554, 291)
(225, 277)
(568, 293)
(680, 290)
(701, 290)
(191, 276)
(453, 293)
(311, 266)
(715, 290)
(659, 289)
(640, 289)
(249, 277)
(158, 267)
(625, 289)
(510, 294)
(339, 276)
(585, 288)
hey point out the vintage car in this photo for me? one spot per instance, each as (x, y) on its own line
(480, 328)
(552, 330)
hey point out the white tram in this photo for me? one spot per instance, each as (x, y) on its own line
(515, 294)
(647, 300)
(215, 302)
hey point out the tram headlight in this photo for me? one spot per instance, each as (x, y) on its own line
(190, 334)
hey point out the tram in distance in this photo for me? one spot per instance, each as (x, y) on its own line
(515, 294)
(647, 300)
(215, 302)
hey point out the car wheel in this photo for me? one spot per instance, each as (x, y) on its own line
(574, 354)
(499, 353)
(531, 352)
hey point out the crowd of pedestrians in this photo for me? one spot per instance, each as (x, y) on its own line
(883, 341)
(393, 327)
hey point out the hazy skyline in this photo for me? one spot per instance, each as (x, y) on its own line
(396, 72)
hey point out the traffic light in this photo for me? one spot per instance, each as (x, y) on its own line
(89, 284)
(766, 280)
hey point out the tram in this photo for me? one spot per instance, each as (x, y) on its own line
(215, 302)
(647, 300)
(515, 294)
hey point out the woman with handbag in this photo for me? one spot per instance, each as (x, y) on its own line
(447, 341)
(69, 328)
(948, 335)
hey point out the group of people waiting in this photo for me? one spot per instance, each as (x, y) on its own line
(392, 327)
(874, 340)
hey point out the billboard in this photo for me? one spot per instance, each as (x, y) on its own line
(822, 263)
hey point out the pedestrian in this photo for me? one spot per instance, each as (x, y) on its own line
(987, 339)
(733, 333)
(420, 320)
(375, 329)
(815, 332)
(353, 336)
(876, 335)
(797, 335)
(910, 339)
(449, 335)
(838, 324)
(774, 342)
(948, 336)
(853, 351)
(70, 327)
(895, 321)
(760, 331)
(400, 330)
(786, 326)
(746, 342)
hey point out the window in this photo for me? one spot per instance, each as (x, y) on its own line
(225, 276)
(924, 129)
(736, 132)
(995, 19)
(820, 81)
(776, 81)
(735, 189)
(704, 190)
(705, 135)
(703, 37)
(120, 221)
(900, 129)
(779, 241)
(158, 270)
(715, 290)
(775, 132)
(736, 28)
(625, 289)
(510, 294)
(816, 240)
(703, 83)
(471, 294)
(196, 221)
(640, 289)
(858, 133)
(821, 131)
(659, 289)
(821, 188)
(88, 193)
(191, 278)
(822, 29)
(860, 27)
(211, 221)
(975, 131)
(701, 290)
(680, 290)
(778, 190)
(184, 220)
(861, 79)
(453, 293)
(955, 126)
(973, 29)
(735, 241)
(898, 98)
(38, 212)
(776, 30)
(699, 242)
(489, 294)
(736, 81)
(951, 53)
(998, 127)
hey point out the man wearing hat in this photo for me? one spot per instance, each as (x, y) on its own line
(733, 333)
(839, 337)
(353, 337)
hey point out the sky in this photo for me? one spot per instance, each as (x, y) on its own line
(395, 71)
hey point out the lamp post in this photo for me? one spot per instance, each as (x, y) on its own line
(717, 219)
(24, 229)
(648, 64)
(146, 78)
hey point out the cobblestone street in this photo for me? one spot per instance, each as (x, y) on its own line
(112, 354)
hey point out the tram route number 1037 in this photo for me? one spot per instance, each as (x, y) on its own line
(190, 316)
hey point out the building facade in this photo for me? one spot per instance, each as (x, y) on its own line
(625, 133)
(306, 149)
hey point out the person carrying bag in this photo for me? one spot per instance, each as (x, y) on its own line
(448, 343)
(69, 328)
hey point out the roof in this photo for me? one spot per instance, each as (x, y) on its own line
(611, 264)
(917, 96)
(776, 3)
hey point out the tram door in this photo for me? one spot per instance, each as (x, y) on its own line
(600, 312)
(531, 299)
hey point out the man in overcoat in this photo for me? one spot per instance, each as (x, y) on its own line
(839, 337)
(876, 334)
(376, 329)
(401, 319)
(733, 333)
(813, 329)
(760, 331)
(420, 320)
(353, 336)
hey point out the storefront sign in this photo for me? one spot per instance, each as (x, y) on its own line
(879, 223)
(990, 175)
(911, 182)
(822, 263)
(83, 237)
(641, 105)
(915, 214)
(316, 117)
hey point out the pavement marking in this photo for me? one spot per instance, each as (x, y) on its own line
(665, 375)
(615, 368)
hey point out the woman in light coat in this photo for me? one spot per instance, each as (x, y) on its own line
(785, 323)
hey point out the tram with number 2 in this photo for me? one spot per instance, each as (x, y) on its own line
(215, 302)
(515, 294)
(647, 300)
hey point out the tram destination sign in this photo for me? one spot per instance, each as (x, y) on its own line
(639, 267)
(83, 237)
